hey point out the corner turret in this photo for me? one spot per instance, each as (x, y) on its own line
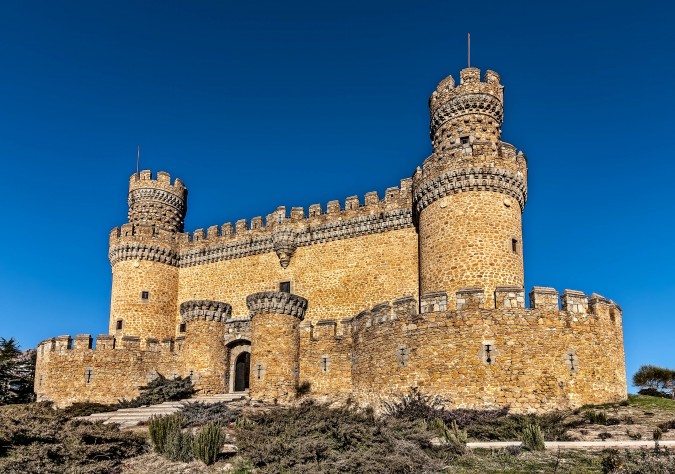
(468, 196)
(157, 202)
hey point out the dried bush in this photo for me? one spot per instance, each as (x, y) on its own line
(532, 438)
(414, 406)
(209, 442)
(35, 438)
(313, 438)
(161, 390)
(198, 414)
(604, 435)
(638, 462)
(668, 425)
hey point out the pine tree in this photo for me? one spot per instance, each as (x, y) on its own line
(17, 370)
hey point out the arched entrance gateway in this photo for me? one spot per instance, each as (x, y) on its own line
(239, 358)
(241, 371)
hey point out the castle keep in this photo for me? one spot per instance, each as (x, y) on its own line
(365, 298)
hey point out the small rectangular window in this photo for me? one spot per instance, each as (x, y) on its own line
(514, 245)
(145, 295)
(181, 328)
(285, 287)
(464, 140)
(119, 324)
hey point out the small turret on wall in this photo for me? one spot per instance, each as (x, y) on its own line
(275, 344)
(204, 355)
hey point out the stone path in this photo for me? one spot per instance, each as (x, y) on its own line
(576, 444)
(127, 417)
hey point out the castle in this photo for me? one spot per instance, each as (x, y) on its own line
(422, 287)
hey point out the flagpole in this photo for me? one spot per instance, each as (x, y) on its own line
(469, 47)
(138, 158)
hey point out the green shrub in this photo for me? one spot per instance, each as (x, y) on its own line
(596, 417)
(161, 428)
(161, 390)
(208, 443)
(178, 446)
(657, 434)
(532, 438)
(452, 435)
(86, 409)
(198, 414)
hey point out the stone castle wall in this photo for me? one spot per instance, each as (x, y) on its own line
(537, 359)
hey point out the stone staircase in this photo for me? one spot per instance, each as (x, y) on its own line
(128, 417)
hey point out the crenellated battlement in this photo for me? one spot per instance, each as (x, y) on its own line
(206, 310)
(157, 202)
(144, 179)
(542, 298)
(104, 342)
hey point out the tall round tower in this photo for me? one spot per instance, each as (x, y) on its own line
(469, 195)
(144, 259)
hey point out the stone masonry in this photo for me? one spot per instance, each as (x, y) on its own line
(361, 299)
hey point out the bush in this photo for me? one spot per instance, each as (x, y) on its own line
(163, 427)
(596, 417)
(17, 370)
(38, 439)
(638, 462)
(532, 438)
(604, 435)
(161, 390)
(652, 392)
(310, 438)
(668, 425)
(198, 414)
(414, 406)
(208, 443)
(178, 446)
(86, 409)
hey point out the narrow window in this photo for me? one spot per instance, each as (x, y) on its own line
(324, 364)
(40, 381)
(285, 287)
(119, 324)
(514, 245)
(145, 295)
(488, 353)
(88, 374)
(464, 140)
(181, 328)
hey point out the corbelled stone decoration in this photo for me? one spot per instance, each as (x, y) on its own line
(471, 179)
(206, 310)
(276, 302)
(284, 241)
(486, 104)
(141, 251)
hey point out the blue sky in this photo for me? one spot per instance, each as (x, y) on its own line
(261, 104)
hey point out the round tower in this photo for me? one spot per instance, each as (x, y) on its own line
(144, 258)
(275, 344)
(204, 354)
(157, 202)
(469, 195)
